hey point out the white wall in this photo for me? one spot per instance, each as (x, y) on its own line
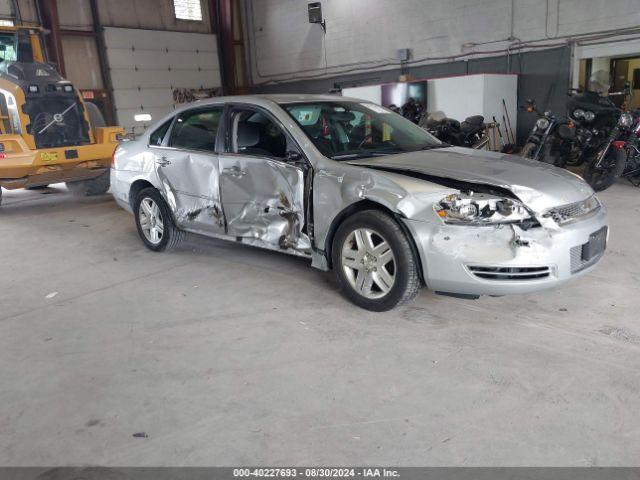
(284, 46)
(462, 96)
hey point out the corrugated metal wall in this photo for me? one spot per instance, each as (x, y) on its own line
(26, 9)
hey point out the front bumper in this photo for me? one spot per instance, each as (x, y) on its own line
(458, 259)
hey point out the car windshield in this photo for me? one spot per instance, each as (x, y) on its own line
(345, 130)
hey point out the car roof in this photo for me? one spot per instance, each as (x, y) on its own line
(277, 98)
(262, 100)
(293, 98)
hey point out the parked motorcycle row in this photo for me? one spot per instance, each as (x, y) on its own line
(595, 133)
(472, 132)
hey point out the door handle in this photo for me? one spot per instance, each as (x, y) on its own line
(234, 171)
(163, 161)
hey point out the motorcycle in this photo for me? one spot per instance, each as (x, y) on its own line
(632, 146)
(471, 133)
(603, 133)
(618, 156)
(552, 139)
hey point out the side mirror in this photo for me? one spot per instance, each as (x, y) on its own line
(293, 156)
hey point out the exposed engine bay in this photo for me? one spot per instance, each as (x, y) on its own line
(477, 204)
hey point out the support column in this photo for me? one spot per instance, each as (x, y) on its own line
(50, 21)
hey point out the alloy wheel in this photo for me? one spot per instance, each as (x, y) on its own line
(368, 263)
(151, 220)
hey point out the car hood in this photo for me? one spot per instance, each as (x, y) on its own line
(539, 185)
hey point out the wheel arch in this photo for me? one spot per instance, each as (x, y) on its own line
(369, 205)
(137, 187)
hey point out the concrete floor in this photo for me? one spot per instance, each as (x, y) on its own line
(227, 355)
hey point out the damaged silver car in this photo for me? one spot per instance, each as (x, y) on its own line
(359, 189)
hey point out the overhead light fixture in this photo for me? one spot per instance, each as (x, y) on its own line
(142, 117)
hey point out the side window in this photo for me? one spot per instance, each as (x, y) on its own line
(4, 115)
(196, 129)
(254, 133)
(156, 137)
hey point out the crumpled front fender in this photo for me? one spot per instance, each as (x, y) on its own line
(336, 189)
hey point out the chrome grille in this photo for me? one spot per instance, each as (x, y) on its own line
(510, 273)
(574, 211)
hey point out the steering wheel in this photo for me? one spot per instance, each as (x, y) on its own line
(365, 139)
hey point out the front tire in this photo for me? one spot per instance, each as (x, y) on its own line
(605, 176)
(87, 188)
(528, 150)
(154, 221)
(373, 262)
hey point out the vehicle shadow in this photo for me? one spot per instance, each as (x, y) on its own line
(25, 202)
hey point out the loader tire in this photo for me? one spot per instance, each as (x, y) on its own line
(87, 188)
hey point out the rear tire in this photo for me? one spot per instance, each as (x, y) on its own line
(373, 262)
(95, 115)
(154, 221)
(87, 188)
(602, 178)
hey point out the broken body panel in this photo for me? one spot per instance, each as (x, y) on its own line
(282, 206)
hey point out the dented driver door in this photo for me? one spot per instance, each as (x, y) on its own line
(188, 169)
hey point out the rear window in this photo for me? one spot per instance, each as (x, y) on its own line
(196, 129)
(157, 137)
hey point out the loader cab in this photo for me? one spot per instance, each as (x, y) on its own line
(20, 44)
(38, 103)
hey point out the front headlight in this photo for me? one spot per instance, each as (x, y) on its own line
(589, 116)
(626, 119)
(578, 113)
(542, 123)
(480, 209)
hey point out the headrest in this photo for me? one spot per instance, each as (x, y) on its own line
(342, 116)
(248, 135)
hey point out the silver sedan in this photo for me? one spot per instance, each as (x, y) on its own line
(359, 189)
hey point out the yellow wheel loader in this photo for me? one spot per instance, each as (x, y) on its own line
(48, 134)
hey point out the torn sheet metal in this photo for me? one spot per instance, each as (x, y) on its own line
(336, 188)
(546, 186)
(264, 200)
(190, 183)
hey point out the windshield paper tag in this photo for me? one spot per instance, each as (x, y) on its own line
(375, 108)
